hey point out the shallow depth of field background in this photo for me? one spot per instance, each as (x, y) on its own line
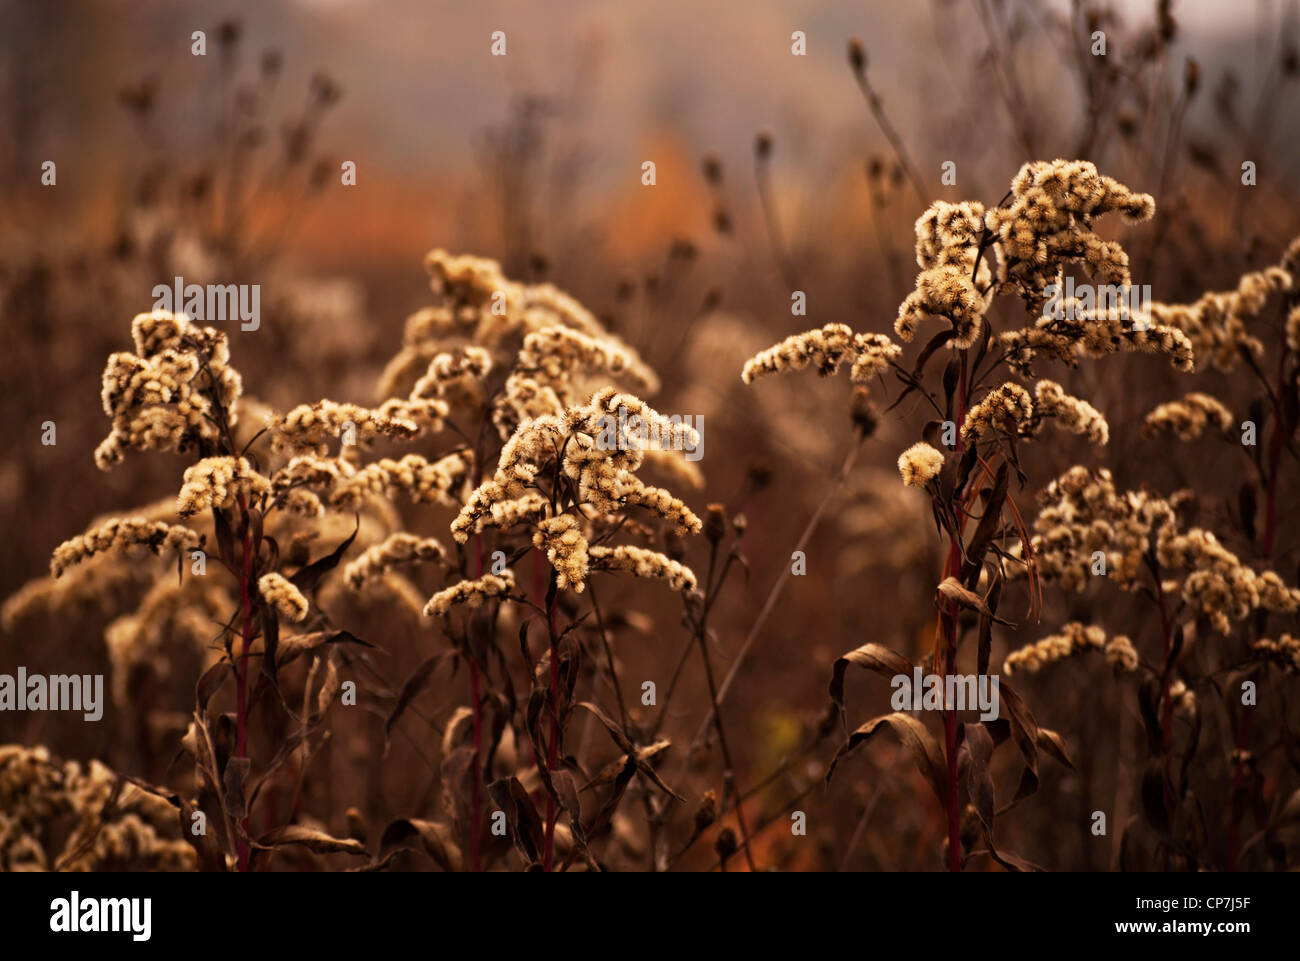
(535, 159)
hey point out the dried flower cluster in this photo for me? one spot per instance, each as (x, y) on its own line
(396, 550)
(1216, 324)
(828, 348)
(171, 393)
(281, 594)
(1284, 651)
(1188, 418)
(1083, 515)
(951, 285)
(470, 593)
(1074, 638)
(121, 533)
(219, 483)
(52, 815)
(920, 464)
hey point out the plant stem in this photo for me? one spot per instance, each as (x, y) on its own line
(241, 667)
(1242, 740)
(891, 135)
(953, 569)
(552, 748)
(729, 773)
(476, 798)
(770, 603)
(476, 692)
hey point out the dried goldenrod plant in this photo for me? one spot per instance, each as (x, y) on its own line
(969, 255)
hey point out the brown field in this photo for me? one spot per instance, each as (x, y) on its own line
(555, 512)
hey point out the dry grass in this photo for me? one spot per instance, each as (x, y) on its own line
(456, 596)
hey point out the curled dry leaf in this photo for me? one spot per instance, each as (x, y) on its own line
(630, 750)
(915, 737)
(316, 841)
(413, 686)
(436, 839)
(952, 591)
(874, 657)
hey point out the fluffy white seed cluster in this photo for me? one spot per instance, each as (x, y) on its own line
(279, 592)
(1010, 411)
(471, 594)
(827, 349)
(1070, 413)
(1006, 409)
(1048, 223)
(57, 815)
(218, 482)
(566, 550)
(1084, 332)
(550, 343)
(920, 464)
(172, 393)
(1188, 419)
(424, 481)
(1218, 586)
(1285, 652)
(121, 533)
(1083, 515)
(642, 562)
(595, 447)
(394, 551)
(1074, 638)
(1217, 324)
(455, 375)
(948, 287)
(311, 427)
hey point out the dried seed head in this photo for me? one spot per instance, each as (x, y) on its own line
(863, 412)
(470, 593)
(920, 464)
(566, 550)
(282, 595)
(715, 523)
(218, 483)
(857, 55)
(707, 812)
